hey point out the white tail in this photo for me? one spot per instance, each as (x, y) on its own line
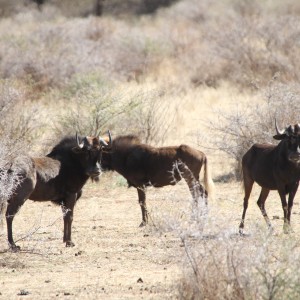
(208, 182)
(3, 206)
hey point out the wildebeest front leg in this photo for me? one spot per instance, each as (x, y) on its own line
(286, 224)
(291, 200)
(142, 202)
(290, 206)
(68, 209)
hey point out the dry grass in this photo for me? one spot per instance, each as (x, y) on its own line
(197, 72)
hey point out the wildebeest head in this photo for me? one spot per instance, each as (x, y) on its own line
(89, 150)
(291, 136)
(117, 148)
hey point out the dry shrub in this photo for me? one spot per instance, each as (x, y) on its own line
(209, 41)
(259, 267)
(19, 119)
(8, 8)
(153, 119)
(236, 131)
(17, 130)
(249, 51)
(219, 264)
(244, 42)
(53, 52)
(94, 106)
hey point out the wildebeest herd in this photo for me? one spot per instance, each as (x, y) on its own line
(60, 176)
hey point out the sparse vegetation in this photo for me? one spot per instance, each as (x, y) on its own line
(210, 73)
(244, 126)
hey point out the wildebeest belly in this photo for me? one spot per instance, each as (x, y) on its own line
(45, 191)
(268, 183)
(157, 178)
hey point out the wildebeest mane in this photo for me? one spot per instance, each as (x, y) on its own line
(124, 140)
(63, 147)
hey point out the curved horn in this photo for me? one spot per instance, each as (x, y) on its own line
(80, 145)
(106, 141)
(277, 130)
(102, 142)
(109, 136)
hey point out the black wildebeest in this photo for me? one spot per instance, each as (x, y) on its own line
(143, 165)
(273, 168)
(59, 177)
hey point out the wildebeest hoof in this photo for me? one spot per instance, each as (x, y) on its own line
(70, 244)
(15, 248)
(143, 224)
(287, 229)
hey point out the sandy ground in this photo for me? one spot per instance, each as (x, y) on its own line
(113, 257)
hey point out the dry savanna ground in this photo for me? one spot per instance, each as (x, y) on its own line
(211, 74)
(113, 257)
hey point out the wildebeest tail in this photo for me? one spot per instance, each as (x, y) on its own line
(208, 182)
(3, 205)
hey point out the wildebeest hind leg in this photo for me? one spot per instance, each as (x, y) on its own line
(248, 184)
(142, 202)
(12, 208)
(290, 203)
(11, 211)
(261, 204)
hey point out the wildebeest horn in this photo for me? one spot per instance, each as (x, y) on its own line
(80, 145)
(280, 132)
(109, 136)
(107, 140)
(102, 142)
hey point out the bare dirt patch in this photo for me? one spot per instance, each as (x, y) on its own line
(113, 257)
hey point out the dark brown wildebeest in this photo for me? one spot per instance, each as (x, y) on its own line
(273, 168)
(143, 165)
(59, 177)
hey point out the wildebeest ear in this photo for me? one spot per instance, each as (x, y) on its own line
(279, 136)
